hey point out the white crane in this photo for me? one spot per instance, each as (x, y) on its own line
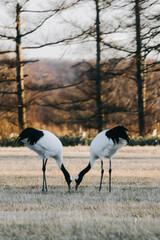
(46, 145)
(105, 144)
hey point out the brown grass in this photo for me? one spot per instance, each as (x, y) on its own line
(131, 211)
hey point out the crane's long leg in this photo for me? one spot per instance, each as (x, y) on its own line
(102, 171)
(44, 175)
(110, 170)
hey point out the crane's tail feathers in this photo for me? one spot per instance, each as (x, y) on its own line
(18, 141)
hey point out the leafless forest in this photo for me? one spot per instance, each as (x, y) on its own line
(72, 110)
(114, 79)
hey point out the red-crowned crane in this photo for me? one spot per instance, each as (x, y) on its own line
(105, 144)
(46, 145)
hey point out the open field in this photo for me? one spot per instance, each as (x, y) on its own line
(130, 211)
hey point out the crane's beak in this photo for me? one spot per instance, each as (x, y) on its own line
(69, 186)
(69, 183)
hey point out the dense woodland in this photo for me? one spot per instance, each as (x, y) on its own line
(72, 110)
(120, 85)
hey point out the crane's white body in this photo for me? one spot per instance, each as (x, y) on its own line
(47, 146)
(102, 147)
(105, 144)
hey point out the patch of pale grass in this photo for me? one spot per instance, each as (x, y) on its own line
(130, 211)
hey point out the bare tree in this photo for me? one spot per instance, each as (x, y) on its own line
(139, 63)
(20, 75)
(17, 36)
(98, 67)
(137, 19)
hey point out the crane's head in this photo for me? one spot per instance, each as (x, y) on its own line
(118, 132)
(79, 177)
(78, 180)
(69, 182)
(68, 177)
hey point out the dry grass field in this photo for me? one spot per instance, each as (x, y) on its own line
(131, 211)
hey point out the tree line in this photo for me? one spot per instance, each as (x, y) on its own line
(94, 97)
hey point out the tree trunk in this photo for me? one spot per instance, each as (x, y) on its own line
(20, 77)
(98, 69)
(139, 77)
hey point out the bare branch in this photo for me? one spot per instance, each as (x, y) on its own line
(7, 80)
(62, 7)
(116, 47)
(67, 40)
(29, 61)
(35, 29)
(7, 37)
(6, 27)
(50, 87)
(25, 2)
(5, 52)
(3, 92)
(56, 105)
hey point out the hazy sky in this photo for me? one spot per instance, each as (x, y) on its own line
(53, 29)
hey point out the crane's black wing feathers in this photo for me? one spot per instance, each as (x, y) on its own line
(116, 133)
(32, 134)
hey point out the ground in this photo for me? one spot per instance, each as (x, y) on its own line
(130, 211)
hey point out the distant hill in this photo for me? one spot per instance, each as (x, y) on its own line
(48, 70)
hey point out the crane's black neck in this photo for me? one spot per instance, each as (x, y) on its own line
(82, 173)
(66, 175)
